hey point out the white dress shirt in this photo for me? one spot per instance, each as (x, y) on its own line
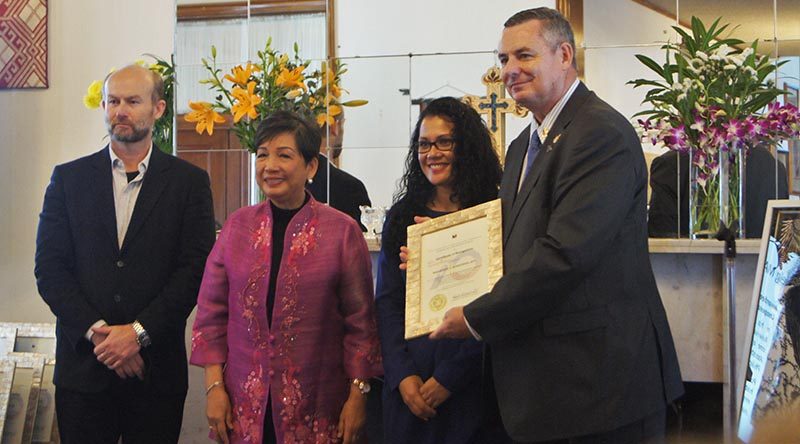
(125, 196)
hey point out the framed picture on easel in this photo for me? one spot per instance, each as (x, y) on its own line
(769, 377)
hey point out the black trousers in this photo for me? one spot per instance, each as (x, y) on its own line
(129, 409)
(648, 430)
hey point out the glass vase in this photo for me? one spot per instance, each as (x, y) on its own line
(716, 193)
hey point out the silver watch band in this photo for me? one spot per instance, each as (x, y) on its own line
(142, 338)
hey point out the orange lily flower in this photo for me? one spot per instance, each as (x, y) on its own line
(246, 101)
(330, 82)
(205, 116)
(328, 118)
(291, 79)
(242, 75)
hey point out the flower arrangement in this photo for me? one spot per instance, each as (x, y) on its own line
(162, 130)
(714, 101)
(252, 91)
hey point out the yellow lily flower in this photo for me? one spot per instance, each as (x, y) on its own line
(291, 79)
(242, 75)
(332, 84)
(246, 101)
(282, 60)
(205, 116)
(94, 95)
(329, 117)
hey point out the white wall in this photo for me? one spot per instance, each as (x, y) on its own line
(377, 135)
(42, 128)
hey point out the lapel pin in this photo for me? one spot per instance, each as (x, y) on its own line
(555, 140)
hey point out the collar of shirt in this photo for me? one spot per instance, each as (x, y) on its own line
(544, 128)
(117, 165)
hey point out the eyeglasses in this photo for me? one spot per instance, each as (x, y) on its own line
(441, 144)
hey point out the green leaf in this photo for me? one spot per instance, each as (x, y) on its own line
(687, 40)
(354, 103)
(650, 63)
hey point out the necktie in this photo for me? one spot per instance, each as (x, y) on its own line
(533, 150)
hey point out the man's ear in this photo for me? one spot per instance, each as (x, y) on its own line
(336, 128)
(567, 54)
(161, 106)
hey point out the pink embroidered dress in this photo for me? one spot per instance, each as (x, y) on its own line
(323, 321)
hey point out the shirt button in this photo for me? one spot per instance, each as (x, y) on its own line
(117, 298)
(120, 264)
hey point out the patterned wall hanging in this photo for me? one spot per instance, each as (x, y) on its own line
(23, 44)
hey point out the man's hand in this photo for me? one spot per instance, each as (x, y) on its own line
(409, 391)
(130, 368)
(119, 345)
(133, 366)
(353, 417)
(404, 249)
(434, 393)
(453, 326)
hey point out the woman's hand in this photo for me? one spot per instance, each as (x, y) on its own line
(410, 391)
(353, 417)
(434, 393)
(218, 413)
(404, 249)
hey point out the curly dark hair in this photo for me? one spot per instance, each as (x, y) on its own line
(476, 169)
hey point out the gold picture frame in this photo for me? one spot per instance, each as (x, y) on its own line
(439, 251)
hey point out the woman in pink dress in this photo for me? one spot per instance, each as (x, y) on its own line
(285, 324)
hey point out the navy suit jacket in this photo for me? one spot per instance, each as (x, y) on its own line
(579, 339)
(83, 274)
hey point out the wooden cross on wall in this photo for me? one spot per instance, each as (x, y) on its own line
(495, 106)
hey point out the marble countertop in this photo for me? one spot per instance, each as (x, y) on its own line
(661, 246)
(701, 246)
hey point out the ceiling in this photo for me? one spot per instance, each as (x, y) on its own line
(755, 18)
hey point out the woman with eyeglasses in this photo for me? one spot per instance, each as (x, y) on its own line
(432, 389)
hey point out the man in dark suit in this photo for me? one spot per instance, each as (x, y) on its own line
(760, 186)
(123, 237)
(347, 193)
(580, 346)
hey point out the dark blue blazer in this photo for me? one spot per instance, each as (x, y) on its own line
(83, 275)
(579, 338)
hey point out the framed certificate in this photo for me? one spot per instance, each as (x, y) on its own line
(452, 261)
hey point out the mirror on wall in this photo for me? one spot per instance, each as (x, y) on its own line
(395, 56)
(615, 34)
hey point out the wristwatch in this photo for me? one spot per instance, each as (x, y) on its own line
(362, 385)
(142, 338)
